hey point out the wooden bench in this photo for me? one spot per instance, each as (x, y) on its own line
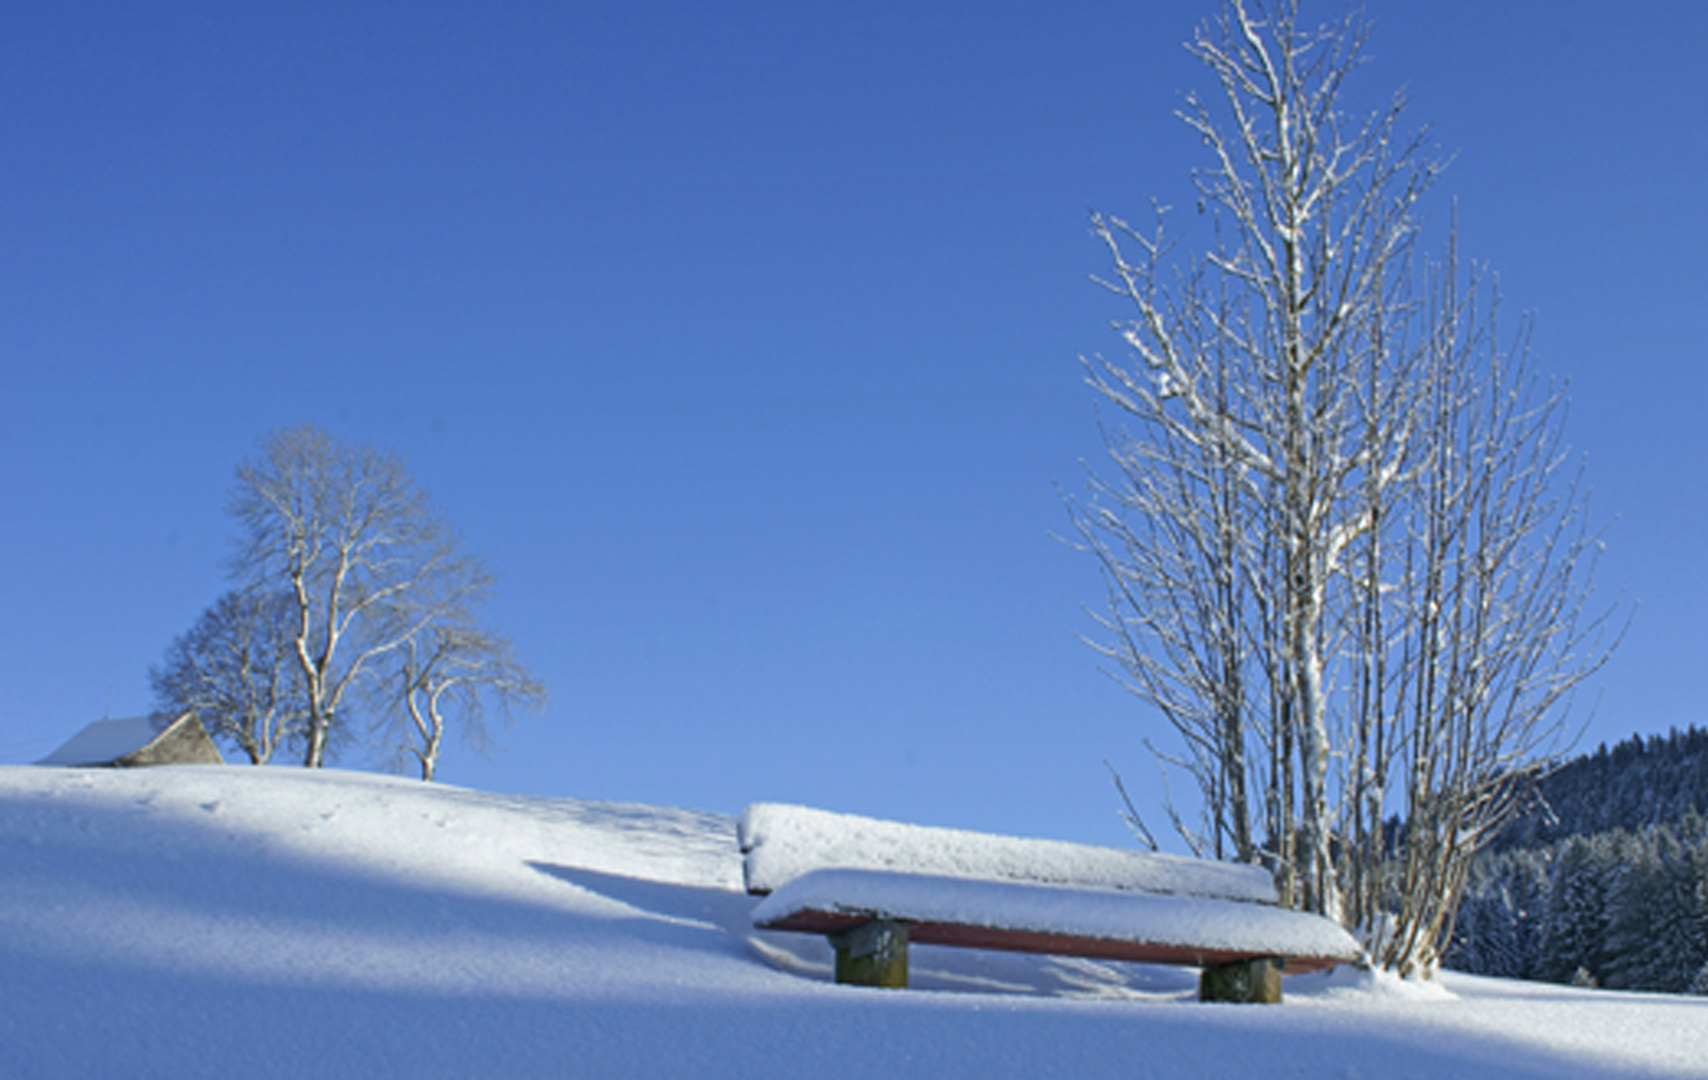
(872, 887)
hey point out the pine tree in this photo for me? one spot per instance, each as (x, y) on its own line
(1483, 931)
(1575, 930)
(1534, 899)
(1500, 953)
(1674, 951)
(1633, 887)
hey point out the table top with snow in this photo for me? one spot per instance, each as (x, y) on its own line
(781, 842)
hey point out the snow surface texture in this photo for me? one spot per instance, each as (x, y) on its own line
(783, 842)
(1107, 914)
(209, 921)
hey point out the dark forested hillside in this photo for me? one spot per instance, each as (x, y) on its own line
(1604, 880)
(1639, 783)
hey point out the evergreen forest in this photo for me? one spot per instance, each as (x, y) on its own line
(1603, 880)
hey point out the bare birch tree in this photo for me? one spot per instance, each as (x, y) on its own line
(1312, 461)
(453, 673)
(368, 566)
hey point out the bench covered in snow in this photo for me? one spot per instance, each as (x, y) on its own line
(872, 887)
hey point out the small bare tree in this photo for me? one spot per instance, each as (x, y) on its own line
(1334, 540)
(236, 670)
(452, 673)
(367, 565)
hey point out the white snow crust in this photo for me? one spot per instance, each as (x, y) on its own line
(783, 842)
(1105, 914)
(229, 921)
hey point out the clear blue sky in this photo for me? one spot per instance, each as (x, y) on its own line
(742, 339)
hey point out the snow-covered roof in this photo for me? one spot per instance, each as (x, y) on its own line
(105, 741)
(782, 842)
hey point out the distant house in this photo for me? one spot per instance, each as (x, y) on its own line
(138, 741)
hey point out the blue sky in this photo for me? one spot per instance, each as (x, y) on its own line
(742, 339)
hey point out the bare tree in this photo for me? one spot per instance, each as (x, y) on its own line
(1489, 566)
(1180, 565)
(453, 673)
(1248, 392)
(1325, 472)
(368, 566)
(236, 670)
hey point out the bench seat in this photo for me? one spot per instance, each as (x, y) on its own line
(1096, 923)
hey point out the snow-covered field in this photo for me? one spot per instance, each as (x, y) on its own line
(235, 922)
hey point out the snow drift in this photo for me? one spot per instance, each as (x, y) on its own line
(226, 921)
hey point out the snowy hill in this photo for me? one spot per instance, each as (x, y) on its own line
(237, 922)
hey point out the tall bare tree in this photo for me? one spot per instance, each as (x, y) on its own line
(368, 566)
(1324, 472)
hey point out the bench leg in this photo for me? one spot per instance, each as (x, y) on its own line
(872, 954)
(1256, 981)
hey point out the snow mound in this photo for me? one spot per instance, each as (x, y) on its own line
(1349, 982)
(231, 921)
